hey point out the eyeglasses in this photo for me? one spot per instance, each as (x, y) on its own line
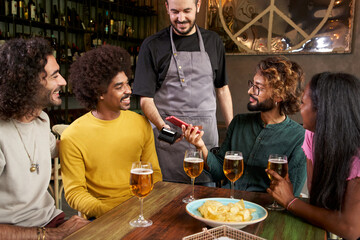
(256, 89)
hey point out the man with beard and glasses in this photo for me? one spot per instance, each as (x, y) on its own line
(275, 92)
(29, 82)
(180, 72)
(98, 149)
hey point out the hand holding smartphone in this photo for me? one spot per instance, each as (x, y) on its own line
(178, 122)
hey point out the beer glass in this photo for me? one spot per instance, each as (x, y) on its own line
(141, 184)
(193, 166)
(233, 168)
(279, 164)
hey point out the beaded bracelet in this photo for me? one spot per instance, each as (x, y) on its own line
(41, 231)
(290, 203)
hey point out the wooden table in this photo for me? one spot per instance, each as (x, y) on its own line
(165, 208)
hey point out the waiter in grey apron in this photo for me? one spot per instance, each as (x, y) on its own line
(184, 79)
(187, 93)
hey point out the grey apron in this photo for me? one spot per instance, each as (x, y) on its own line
(187, 93)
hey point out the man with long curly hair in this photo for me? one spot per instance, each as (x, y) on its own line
(275, 92)
(98, 149)
(29, 81)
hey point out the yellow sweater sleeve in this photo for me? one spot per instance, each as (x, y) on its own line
(73, 174)
(149, 154)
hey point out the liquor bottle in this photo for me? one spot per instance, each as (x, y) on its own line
(14, 7)
(106, 22)
(99, 23)
(7, 7)
(78, 22)
(2, 39)
(131, 51)
(129, 30)
(112, 24)
(68, 17)
(85, 18)
(81, 22)
(26, 10)
(2, 7)
(91, 25)
(74, 20)
(7, 36)
(137, 54)
(62, 19)
(41, 14)
(75, 51)
(37, 11)
(62, 52)
(121, 27)
(55, 15)
(53, 43)
(21, 9)
(115, 26)
(32, 10)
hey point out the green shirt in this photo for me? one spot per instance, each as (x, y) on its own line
(246, 133)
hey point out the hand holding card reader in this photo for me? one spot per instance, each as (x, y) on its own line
(169, 135)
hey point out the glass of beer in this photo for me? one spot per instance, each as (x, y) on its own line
(233, 168)
(279, 164)
(193, 167)
(141, 184)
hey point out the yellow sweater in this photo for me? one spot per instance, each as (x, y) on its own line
(96, 158)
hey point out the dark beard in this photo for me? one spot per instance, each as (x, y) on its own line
(44, 98)
(263, 106)
(187, 32)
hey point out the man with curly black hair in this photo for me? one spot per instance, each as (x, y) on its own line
(98, 149)
(275, 92)
(29, 81)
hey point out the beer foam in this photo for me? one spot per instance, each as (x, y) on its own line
(234, 157)
(141, 171)
(278, 160)
(193, 160)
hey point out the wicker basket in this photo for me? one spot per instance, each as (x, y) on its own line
(222, 231)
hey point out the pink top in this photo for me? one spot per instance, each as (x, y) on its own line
(307, 148)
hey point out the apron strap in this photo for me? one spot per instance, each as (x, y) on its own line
(179, 67)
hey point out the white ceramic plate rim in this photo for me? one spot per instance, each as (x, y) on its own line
(226, 223)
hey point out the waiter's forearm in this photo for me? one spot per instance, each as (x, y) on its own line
(224, 96)
(148, 107)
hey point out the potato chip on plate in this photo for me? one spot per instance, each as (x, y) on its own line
(232, 212)
(226, 211)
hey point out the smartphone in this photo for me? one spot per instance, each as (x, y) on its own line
(178, 122)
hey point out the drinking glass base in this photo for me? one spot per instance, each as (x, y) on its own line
(141, 223)
(188, 199)
(275, 207)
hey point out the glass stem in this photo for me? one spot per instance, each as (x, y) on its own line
(232, 190)
(141, 216)
(192, 183)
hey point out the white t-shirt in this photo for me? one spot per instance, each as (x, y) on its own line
(24, 199)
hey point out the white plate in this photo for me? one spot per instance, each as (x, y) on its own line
(259, 215)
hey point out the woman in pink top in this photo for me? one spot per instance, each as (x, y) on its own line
(331, 114)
